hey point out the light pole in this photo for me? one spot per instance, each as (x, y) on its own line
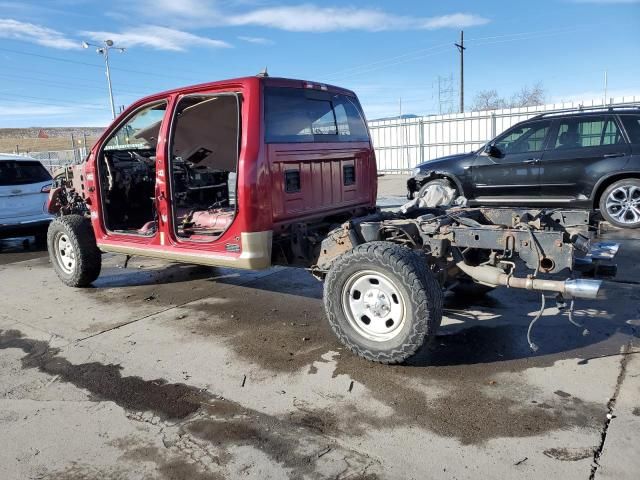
(104, 51)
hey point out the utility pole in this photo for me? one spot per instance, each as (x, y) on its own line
(104, 51)
(605, 87)
(461, 49)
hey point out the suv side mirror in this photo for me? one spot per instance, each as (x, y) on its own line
(491, 150)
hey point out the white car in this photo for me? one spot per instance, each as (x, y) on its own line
(24, 188)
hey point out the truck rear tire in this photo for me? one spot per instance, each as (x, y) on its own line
(73, 252)
(382, 301)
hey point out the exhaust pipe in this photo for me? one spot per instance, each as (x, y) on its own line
(579, 288)
(583, 288)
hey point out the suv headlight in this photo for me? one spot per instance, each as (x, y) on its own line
(415, 172)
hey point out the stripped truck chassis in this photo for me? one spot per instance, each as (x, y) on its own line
(467, 250)
(491, 246)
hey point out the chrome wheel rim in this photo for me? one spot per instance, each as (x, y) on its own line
(373, 305)
(65, 254)
(623, 204)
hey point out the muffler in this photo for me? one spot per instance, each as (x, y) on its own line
(575, 288)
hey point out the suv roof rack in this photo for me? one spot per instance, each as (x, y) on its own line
(606, 108)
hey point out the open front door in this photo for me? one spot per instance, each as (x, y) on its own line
(126, 170)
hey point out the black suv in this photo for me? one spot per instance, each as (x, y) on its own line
(579, 158)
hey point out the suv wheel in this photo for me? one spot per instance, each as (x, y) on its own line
(620, 203)
(382, 301)
(73, 251)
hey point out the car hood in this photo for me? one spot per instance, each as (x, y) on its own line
(445, 162)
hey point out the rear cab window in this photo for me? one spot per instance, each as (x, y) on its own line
(22, 172)
(296, 115)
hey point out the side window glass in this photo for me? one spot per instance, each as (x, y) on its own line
(586, 132)
(321, 116)
(632, 126)
(528, 138)
(342, 120)
(611, 134)
(140, 131)
(351, 125)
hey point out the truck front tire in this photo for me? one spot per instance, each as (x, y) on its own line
(73, 252)
(382, 301)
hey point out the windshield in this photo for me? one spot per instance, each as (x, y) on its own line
(21, 172)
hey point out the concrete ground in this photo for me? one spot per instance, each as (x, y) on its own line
(181, 372)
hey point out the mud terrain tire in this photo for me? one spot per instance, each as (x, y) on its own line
(73, 252)
(382, 301)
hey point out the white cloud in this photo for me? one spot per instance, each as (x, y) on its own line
(299, 18)
(257, 40)
(159, 38)
(455, 20)
(32, 33)
(311, 18)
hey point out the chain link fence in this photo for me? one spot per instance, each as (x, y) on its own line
(55, 160)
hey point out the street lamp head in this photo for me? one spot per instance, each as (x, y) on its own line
(109, 43)
(122, 50)
(85, 45)
(100, 51)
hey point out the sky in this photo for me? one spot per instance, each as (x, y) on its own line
(391, 53)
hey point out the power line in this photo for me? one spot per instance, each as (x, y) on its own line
(49, 102)
(399, 62)
(46, 81)
(358, 67)
(77, 62)
(415, 54)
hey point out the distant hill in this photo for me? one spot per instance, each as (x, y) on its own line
(403, 117)
(43, 139)
(50, 132)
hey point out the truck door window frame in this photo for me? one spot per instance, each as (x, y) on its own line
(169, 164)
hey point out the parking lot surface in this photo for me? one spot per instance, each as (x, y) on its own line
(183, 372)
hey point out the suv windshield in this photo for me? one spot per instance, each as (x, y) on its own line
(21, 172)
(299, 115)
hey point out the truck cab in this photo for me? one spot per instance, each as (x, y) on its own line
(217, 173)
